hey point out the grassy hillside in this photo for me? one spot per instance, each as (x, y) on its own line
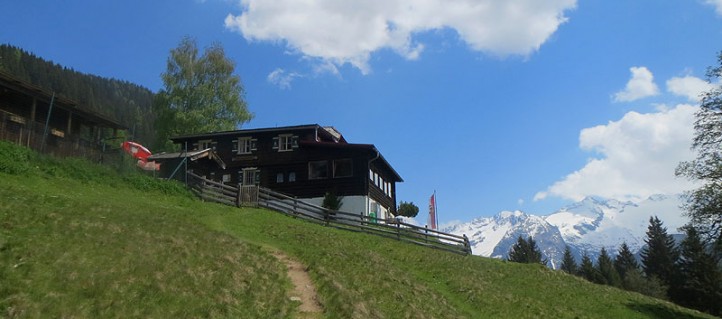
(78, 240)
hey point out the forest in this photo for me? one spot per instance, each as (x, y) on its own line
(127, 103)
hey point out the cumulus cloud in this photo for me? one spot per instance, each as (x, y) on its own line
(640, 85)
(281, 78)
(717, 4)
(689, 86)
(638, 156)
(350, 31)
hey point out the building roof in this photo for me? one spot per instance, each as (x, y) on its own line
(330, 133)
(191, 155)
(369, 147)
(245, 131)
(59, 101)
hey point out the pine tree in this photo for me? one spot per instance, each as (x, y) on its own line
(519, 252)
(331, 201)
(588, 271)
(701, 284)
(568, 264)
(605, 266)
(660, 256)
(526, 251)
(625, 261)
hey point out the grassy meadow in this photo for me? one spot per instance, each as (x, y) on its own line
(79, 240)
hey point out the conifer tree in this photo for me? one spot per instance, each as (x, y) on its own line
(701, 284)
(660, 256)
(588, 271)
(569, 265)
(526, 251)
(625, 261)
(605, 266)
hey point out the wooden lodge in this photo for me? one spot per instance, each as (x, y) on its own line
(305, 162)
(53, 124)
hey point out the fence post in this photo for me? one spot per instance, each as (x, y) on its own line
(467, 245)
(398, 231)
(238, 196)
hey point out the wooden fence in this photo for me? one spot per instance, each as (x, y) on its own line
(263, 197)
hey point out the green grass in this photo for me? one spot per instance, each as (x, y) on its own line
(79, 240)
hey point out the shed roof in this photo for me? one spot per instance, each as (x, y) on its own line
(11, 82)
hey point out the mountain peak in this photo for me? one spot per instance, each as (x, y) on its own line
(507, 214)
(587, 225)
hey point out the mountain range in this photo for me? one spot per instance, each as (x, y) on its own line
(586, 226)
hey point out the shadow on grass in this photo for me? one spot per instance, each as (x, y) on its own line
(661, 311)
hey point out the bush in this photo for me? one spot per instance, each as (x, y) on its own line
(14, 159)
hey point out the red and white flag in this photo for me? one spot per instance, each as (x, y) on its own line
(432, 211)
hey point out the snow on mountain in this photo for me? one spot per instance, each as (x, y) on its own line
(494, 236)
(585, 226)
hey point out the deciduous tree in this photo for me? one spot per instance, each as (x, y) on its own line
(408, 209)
(704, 205)
(200, 94)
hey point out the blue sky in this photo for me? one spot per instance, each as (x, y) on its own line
(495, 104)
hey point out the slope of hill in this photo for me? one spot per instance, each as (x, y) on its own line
(78, 240)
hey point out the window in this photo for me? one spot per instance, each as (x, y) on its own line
(318, 170)
(292, 176)
(244, 145)
(204, 144)
(285, 142)
(279, 178)
(342, 168)
(251, 176)
(226, 178)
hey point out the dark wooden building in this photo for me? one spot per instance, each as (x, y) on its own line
(25, 109)
(305, 161)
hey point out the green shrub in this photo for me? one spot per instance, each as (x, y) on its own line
(14, 159)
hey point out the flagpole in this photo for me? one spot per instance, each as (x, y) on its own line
(436, 210)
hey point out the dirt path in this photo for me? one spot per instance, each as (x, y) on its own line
(303, 289)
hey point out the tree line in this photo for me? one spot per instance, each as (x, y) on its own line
(122, 101)
(687, 273)
(201, 93)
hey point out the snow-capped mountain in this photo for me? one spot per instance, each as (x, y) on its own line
(585, 226)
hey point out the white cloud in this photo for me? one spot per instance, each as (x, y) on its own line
(639, 154)
(717, 4)
(350, 31)
(688, 86)
(641, 85)
(281, 78)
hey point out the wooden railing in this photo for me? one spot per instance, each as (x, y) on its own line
(244, 196)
